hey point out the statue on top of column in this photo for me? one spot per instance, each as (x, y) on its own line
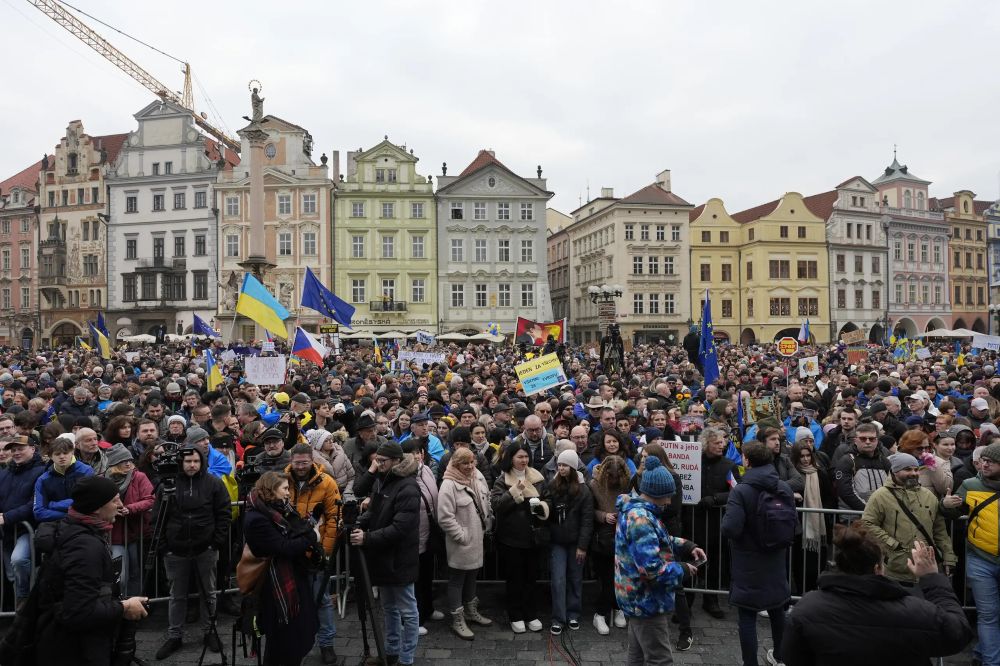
(257, 102)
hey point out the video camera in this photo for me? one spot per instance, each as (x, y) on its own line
(168, 466)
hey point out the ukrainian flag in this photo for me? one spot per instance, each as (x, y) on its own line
(212, 371)
(102, 342)
(257, 303)
(82, 344)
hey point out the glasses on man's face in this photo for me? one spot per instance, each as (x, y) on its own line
(381, 461)
(862, 438)
(986, 462)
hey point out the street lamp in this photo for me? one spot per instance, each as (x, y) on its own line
(604, 293)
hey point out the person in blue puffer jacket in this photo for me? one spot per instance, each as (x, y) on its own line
(647, 566)
(55, 486)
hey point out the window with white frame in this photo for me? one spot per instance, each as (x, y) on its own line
(458, 295)
(358, 291)
(417, 290)
(527, 295)
(503, 251)
(417, 247)
(25, 258)
(26, 297)
(180, 200)
(480, 292)
(416, 209)
(201, 199)
(308, 203)
(636, 265)
(527, 211)
(480, 247)
(527, 251)
(357, 209)
(457, 210)
(25, 225)
(388, 246)
(457, 249)
(654, 304)
(285, 244)
(668, 304)
(357, 247)
(629, 232)
(654, 265)
(232, 206)
(388, 210)
(391, 173)
(638, 304)
(675, 232)
(309, 243)
(668, 265)
(479, 210)
(389, 288)
(661, 232)
(232, 245)
(503, 295)
(644, 232)
(503, 210)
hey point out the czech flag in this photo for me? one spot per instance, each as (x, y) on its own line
(307, 347)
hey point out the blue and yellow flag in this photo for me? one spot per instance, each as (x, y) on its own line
(706, 345)
(257, 303)
(83, 345)
(102, 342)
(378, 351)
(213, 375)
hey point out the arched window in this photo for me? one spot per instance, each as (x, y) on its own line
(907, 199)
(920, 200)
(71, 163)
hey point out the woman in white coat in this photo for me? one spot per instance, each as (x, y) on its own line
(465, 516)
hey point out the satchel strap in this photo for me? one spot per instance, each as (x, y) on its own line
(913, 519)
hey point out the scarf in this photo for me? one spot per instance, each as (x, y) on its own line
(281, 572)
(123, 481)
(90, 520)
(814, 530)
(469, 485)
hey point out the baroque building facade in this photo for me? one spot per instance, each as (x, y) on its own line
(18, 258)
(968, 271)
(492, 252)
(296, 225)
(72, 247)
(716, 251)
(385, 241)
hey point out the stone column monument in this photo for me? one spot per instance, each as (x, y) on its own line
(255, 136)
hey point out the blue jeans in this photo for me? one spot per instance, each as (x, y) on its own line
(402, 624)
(17, 565)
(566, 577)
(327, 629)
(984, 579)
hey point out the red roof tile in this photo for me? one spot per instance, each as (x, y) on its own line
(653, 194)
(110, 142)
(942, 204)
(695, 212)
(483, 159)
(820, 205)
(212, 152)
(26, 179)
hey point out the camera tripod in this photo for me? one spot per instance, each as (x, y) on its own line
(365, 597)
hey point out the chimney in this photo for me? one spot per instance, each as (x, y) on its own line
(663, 179)
(336, 166)
(352, 166)
(607, 193)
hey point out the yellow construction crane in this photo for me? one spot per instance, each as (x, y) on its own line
(55, 11)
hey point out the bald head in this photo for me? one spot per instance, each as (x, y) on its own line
(532, 428)
(86, 441)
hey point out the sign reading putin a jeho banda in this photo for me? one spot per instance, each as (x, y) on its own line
(686, 459)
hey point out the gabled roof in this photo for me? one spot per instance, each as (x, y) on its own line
(110, 142)
(861, 178)
(212, 152)
(27, 179)
(897, 171)
(936, 204)
(653, 195)
(820, 205)
(483, 160)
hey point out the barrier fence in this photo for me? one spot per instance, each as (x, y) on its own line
(702, 525)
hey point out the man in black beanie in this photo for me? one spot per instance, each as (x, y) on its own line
(77, 590)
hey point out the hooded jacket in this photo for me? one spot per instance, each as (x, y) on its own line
(17, 490)
(53, 490)
(392, 525)
(872, 621)
(856, 477)
(199, 514)
(647, 568)
(318, 489)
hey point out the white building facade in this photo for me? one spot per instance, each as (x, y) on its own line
(162, 235)
(492, 253)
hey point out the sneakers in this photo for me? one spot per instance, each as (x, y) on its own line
(168, 648)
(518, 627)
(535, 625)
(212, 643)
(574, 624)
(601, 625)
(685, 641)
(620, 619)
(555, 630)
(437, 615)
(421, 630)
(769, 657)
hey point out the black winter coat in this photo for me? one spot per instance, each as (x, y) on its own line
(571, 520)
(392, 526)
(17, 494)
(295, 639)
(514, 522)
(873, 621)
(715, 478)
(70, 408)
(79, 614)
(759, 579)
(199, 514)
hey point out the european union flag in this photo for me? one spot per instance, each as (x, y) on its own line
(202, 328)
(317, 297)
(706, 346)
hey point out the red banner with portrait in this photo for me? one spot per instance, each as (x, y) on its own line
(536, 333)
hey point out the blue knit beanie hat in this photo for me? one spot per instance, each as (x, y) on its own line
(656, 480)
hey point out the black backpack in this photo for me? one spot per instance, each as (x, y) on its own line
(776, 520)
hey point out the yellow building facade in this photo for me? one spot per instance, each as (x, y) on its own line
(716, 249)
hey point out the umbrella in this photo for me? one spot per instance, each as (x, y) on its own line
(392, 335)
(453, 336)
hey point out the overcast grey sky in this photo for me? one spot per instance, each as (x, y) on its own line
(742, 100)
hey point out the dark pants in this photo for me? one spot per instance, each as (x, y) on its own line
(521, 570)
(748, 633)
(682, 610)
(425, 586)
(604, 571)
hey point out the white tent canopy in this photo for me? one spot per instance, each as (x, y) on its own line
(142, 337)
(453, 336)
(391, 335)
(948, 333)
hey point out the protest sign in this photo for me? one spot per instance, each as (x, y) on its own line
(265, 370)
(420, 358)
(540, 374)
(808, 366)
(686, 459)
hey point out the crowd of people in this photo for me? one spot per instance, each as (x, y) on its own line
(452, 465)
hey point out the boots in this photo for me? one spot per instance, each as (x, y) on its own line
(458, 626)
(472, 614)
(19, 603)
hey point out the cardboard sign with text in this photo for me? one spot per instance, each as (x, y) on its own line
(686, 459)
(853, 337)
(266, 370)
(540, 374)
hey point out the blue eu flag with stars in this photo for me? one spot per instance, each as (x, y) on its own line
(706, 346)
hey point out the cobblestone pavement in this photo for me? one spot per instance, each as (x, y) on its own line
(715, 641)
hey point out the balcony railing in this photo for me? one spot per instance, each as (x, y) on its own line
(52, 280)
(387, 306)
(163, 263)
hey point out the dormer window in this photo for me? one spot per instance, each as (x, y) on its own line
(16, 196)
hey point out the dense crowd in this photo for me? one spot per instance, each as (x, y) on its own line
(452, 465)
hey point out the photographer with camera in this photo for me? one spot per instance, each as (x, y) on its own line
(389, 533)
(273, 458)
(197, 524)
(315, 493)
